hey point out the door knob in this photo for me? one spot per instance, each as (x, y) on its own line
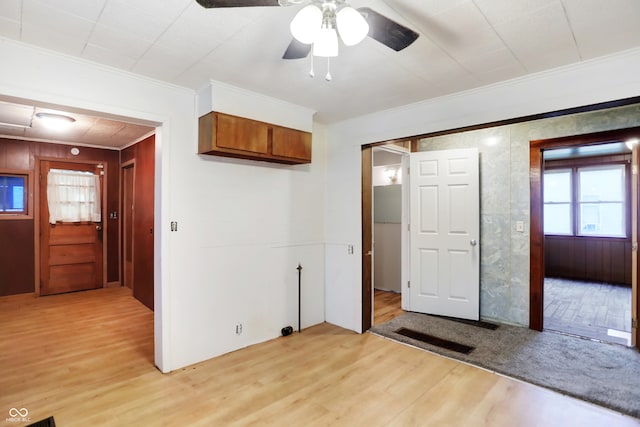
(99, 227)
(473, 242)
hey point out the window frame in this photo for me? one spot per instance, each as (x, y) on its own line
(575, 165)
(28, 212)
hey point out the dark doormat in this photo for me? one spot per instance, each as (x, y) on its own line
(437, 341)
(604, 374)
(48, 422)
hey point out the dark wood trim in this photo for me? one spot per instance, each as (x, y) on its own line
(556, 113)
(536, 272)
(536, 148)
(367, 237)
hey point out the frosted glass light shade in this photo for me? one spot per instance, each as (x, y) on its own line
(352, 26)
(306, 24)
(326, 43)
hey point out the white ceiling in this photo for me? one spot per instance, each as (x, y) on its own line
(463, 44)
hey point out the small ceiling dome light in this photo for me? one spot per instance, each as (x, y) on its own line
(55, 121)
(352, 26)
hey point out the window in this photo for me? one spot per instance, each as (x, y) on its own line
(13, 194)
(586, 201)
(601, 201)
(557, 202)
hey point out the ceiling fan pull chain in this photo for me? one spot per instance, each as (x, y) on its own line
(311, 73)
(328, 76)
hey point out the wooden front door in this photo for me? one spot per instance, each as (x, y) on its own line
(70, 252)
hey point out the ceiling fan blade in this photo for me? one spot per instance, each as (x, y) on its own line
(296, 50)
(236, 3)
(387, 31)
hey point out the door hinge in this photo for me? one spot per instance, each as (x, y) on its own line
(409, 284)
(634, 246)
(634, 323)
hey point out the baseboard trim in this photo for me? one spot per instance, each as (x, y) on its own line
(113, 284)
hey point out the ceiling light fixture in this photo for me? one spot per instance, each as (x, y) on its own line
(55, 121)
(320, 26)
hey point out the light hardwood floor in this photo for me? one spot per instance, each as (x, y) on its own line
(86, 358)
(386, 306)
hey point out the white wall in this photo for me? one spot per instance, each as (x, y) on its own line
(243, 226)
(604, 79)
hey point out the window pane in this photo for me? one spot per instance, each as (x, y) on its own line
(557, 218)
(605, 184)
(557, 186)
(602, 219)
(12, 194)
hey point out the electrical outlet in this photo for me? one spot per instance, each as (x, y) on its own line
(238, 328)
(350, 249)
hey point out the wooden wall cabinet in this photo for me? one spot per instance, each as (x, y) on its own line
(222, 134)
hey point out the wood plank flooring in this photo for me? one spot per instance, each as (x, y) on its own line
(386, 306)
(86, 358)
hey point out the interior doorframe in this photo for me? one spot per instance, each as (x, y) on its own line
(536, 272)
(405, 146)
(36, 213)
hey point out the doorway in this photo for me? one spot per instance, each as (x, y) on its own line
(387, 233)
(544, 248)
(587, 227)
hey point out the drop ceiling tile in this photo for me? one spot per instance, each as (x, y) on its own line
(51, 39)
(11, 9)
(199, 31)
(51, 28)
(540, 40)
(87, 9)
(109, 57)
(599, 39)
(164, 64)
(9, 28)
(464, 32)
(119, 40)
(147, 23)
(498, 12)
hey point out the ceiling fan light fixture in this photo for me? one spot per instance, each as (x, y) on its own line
(306, 24)
(352, 26)
(326, 43)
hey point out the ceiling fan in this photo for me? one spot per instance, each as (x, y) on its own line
(315, 27)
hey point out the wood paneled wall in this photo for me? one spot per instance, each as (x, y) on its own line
(143, 233)
(17, 260)
(586, 258)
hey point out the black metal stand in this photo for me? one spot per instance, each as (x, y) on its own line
(299, 283)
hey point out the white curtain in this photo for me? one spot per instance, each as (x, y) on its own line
(73, 196)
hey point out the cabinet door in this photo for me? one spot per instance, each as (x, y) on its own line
(292, 144)
(237, 133)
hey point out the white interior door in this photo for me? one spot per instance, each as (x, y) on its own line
(445, 232)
